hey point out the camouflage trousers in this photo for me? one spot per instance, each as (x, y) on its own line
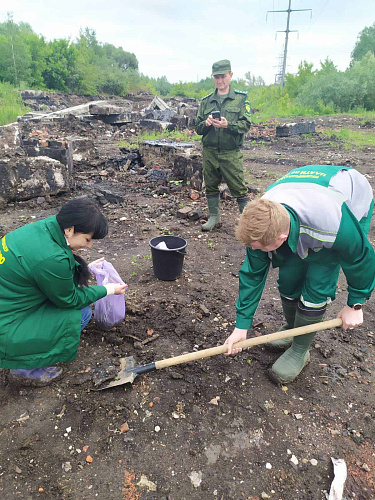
(226, 166)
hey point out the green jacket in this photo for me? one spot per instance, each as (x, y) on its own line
(236, 109)
(313, 197)
(40, 302)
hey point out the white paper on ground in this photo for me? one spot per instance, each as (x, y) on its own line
(162, 246)
(339, 472)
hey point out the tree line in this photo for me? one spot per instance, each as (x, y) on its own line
(87, 66)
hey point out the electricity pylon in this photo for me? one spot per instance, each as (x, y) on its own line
(287, 31)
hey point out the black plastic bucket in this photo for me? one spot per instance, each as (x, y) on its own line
(168, 263)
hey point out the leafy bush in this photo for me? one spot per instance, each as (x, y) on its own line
(11, 104)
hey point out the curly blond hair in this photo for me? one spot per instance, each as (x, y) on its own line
(263, 221)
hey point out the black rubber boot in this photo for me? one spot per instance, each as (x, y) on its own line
(292, 362)
(289, 309)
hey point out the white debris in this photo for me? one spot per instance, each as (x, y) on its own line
(196, 478)
(264, 495)
(313, 462)
(67, 466)
(294, 460)
(175, 415)
(157, 428)
(340, 472)
(297, 416)
(215, 401)
(146, 483)
(268, 465)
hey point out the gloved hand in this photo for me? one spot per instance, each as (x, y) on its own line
(237, 335)
(116, 288)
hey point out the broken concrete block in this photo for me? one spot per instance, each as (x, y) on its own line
(110, 109)
(25, 178)
(183, 213)
(116, 119)
(288, 129)
(158, 103)
(58, 150)
(151, 124)
(10, 136)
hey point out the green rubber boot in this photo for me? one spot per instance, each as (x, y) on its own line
(289, 310)
(242, 202)
(213, 202)
(292, 362)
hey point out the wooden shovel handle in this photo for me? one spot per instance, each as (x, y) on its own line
(263, 339)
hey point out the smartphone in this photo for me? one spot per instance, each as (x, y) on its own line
(216, 115)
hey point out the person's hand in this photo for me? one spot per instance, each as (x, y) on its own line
(350, 317)
(209, 121)
(95, 262)
(223, 123)
(116, 288)
(237, 335)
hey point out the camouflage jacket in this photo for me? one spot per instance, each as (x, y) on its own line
(236, 109)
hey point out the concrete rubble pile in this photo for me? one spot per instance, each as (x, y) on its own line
(50, 150)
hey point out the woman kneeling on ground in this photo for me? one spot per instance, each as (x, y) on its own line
(44, 294)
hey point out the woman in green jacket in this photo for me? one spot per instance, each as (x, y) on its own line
(44, 294)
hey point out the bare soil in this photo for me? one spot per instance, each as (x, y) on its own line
(212, 429)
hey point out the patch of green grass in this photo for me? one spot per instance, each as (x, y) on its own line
(11, 104)
(352, 138)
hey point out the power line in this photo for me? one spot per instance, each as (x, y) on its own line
(281, 77)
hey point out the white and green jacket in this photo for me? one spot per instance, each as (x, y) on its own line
(330, 207)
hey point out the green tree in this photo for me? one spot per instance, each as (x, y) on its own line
(363, 72)
(60, 72)
(336, 90)
(365, 43)
(293, 83)
(15, 57)
(162, 86)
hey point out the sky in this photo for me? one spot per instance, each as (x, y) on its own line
(181, 39)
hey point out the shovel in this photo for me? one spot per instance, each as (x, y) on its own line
(129, 371)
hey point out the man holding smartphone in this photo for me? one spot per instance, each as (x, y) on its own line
(223, 120)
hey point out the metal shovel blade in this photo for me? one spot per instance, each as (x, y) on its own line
(128, 372)
(124, 376)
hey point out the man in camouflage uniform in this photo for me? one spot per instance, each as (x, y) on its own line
(222, 139)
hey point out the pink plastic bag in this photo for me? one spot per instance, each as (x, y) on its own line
(110, 310)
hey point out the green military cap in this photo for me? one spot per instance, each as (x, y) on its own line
(221, 67)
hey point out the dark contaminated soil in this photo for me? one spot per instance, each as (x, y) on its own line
(211, 429)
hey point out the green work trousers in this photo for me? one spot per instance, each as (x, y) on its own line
(314, 279)
(226, 165)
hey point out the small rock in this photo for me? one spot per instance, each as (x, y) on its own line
(204, 310)
(366, 467)
(157, 428)
(146, 483)
(264, 495)
(196, 478)
(268, 465)
(297, 416)
(313, 462)
(294, 460)
(67, 466)
(215, 401)
(18, 470)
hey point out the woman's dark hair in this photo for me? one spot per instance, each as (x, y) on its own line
(85, 215)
